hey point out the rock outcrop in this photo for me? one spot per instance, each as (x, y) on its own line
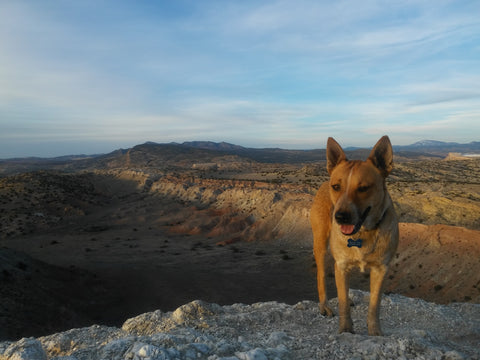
(414, 329)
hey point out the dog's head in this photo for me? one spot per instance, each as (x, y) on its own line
(357, 188)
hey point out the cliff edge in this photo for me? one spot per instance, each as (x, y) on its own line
(414, 329)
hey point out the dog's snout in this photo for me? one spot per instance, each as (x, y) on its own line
(343, 217)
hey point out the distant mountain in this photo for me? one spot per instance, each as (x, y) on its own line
(268, 155)
(432, 143)
(420, 149)
(161, 155)
(210, 145)
(439, 148)
(22, 165)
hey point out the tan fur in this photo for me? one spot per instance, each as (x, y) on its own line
(355, 195)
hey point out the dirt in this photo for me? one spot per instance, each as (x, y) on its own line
(148, 272)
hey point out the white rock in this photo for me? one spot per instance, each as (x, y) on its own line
(455, 355)
(25, 349)
(277, 338)
(148, 351)
(255, 354)
(414, 329)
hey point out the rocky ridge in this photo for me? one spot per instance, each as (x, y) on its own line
(414, 329)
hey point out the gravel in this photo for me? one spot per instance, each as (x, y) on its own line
(414, 329)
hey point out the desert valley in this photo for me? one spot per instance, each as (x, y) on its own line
(87, 240)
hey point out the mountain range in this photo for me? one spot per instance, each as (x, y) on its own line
(161, 154)
(427, 147)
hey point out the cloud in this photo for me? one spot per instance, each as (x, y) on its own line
(269, 73)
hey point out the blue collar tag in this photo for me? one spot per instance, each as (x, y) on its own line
(357, 243)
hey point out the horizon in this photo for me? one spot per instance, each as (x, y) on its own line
(87, 77)
(344, 146)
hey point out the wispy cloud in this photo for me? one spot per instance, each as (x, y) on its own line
(275, 73)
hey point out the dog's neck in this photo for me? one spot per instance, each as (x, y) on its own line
(384, 215)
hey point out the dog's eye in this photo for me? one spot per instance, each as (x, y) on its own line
(336, 187)
(363, 189)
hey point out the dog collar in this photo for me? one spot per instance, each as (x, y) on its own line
(357, 243)
(384, 215)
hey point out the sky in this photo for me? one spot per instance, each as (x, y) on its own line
(88, 77)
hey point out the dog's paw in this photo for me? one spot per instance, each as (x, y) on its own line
(374, 330)
(346, 325)
(346, 329)
(373, 324)
(325, 310)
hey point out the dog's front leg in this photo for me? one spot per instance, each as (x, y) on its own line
(377, 274)
(342, 281)
(320, 249)
(322, 291)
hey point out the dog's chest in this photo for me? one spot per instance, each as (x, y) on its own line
(354, 251)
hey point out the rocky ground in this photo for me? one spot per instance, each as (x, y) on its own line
(414, 329)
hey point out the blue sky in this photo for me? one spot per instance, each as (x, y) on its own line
(93, 76)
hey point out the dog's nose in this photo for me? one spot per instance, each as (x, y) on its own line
(343, 217)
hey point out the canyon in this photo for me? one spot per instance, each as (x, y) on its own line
(146, 229)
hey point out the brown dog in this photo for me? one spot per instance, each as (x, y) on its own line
(354, 212)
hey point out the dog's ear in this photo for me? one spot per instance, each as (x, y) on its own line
(335, 154)
(382, 156)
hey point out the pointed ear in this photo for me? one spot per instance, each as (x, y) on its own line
(335, 154)
(382, 156)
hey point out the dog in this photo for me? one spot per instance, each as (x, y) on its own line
(353, 213)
